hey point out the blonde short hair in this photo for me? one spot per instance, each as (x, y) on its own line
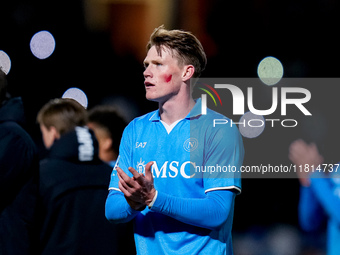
(62, 113)
(184, 45)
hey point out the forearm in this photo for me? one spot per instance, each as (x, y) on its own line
(117, 210)
(209, 212)
(311, 214)
(325, 195)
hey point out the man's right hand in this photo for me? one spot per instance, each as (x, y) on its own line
(302, 154)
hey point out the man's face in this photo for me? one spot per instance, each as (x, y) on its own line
(104, 140)
(163, 75)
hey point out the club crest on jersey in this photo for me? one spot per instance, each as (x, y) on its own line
(141, 167)
(190, 144)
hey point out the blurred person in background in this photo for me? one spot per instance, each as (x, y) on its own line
(73, 187)
(19, 165)
(108, 127)
(319, 192)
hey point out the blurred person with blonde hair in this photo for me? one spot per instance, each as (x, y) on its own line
(73, 187)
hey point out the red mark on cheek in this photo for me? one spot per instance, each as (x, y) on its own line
(167, 78)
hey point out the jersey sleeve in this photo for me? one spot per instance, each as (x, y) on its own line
(214, 208)
(124, 157)
(326, 195)
(117, 210)
(310, 212)
(224, 156)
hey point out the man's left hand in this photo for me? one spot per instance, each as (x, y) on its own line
(139, 190)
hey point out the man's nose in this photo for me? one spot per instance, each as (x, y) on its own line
(147, 72)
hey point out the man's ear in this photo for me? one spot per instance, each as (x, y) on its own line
(106, 144)
(188, 72)
(55, 133)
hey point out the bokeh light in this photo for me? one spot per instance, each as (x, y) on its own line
(270, 71)
(42, 44)
(253, 125)
(76, 94)
(5, 62)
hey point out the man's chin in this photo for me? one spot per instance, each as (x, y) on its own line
(151, 98)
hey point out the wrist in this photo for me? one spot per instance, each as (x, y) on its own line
(135, 205)
(155, 193)
(139, 208)
(305, 182)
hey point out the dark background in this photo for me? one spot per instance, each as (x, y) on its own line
(302, 34)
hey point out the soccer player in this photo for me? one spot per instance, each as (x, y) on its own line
(319, 192)
(161, 180)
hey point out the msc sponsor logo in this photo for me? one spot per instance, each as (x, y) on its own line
(140, 167)
(168, 169)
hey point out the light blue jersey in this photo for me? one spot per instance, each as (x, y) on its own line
(319, 201)
(191, 160)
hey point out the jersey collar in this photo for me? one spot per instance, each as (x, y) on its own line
(155, 116)
(196, 110)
